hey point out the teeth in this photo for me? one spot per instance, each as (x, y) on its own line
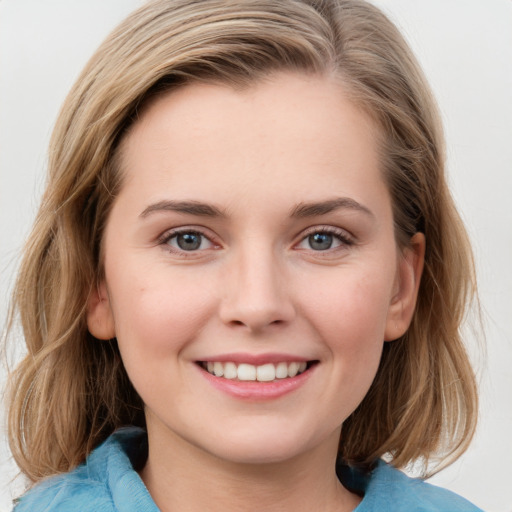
(266, 373)
(248, 372)
(218, 369)
(230, 371)
(281, 371)
(293, 369)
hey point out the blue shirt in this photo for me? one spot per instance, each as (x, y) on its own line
(107, 482)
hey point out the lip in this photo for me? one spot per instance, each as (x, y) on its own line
(255, 390)
(255, 359)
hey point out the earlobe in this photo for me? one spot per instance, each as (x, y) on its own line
(100, 320)
(403, 302)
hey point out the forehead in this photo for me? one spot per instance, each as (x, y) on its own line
(290, 132)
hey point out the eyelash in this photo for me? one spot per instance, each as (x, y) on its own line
(169, 235)
(345, 239)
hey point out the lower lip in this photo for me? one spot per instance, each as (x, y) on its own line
(255, 390)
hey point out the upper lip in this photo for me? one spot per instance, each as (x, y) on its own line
(255, 359)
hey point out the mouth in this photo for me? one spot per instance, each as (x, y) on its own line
(268, 372)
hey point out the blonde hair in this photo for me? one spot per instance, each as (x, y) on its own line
(71, 391)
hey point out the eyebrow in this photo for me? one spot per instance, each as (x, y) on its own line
(190, 207)
(303, 210)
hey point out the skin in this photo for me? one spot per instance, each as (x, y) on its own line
(254, 286)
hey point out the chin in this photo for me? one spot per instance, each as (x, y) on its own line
(269, 446)
(257, 453)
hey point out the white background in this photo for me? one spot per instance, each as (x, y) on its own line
(465, 47)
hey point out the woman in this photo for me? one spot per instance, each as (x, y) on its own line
(281, 66)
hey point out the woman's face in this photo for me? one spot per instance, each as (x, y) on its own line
(252, 239)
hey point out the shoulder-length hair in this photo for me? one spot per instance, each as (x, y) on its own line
(71, 391)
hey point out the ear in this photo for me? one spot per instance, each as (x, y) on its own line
(407, 283)
(100, 320)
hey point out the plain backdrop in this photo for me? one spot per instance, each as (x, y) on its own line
(465, 47)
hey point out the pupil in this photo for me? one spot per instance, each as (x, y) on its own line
(320, 241)
(188, 241)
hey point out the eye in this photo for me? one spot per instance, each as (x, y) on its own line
(320, 241)
(188, 241)
(325, 239)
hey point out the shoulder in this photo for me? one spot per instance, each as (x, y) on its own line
(388, 489)
(105, 482)
(68, 492)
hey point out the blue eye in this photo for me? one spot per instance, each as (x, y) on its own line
(320, 241)
(325, 239)
(189, 241)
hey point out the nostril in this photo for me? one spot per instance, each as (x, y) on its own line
(240, 323)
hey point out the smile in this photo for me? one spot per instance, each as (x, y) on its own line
(268, 372)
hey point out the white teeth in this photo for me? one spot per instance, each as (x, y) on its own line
(247, 372)
(230, 371)
(266, 373)
(282, 371)
(293, 369)
(218, 369)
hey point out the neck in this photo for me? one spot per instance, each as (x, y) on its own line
(186, 478)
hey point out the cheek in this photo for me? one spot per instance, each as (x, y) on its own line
(157, 316)
(157, 313)
(356, 303)
(350, 314)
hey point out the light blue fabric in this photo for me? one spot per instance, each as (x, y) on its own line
(107, 482)
(387, 489)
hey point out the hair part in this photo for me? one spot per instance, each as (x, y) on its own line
(71, 391)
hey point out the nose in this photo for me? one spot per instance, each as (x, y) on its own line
(256, 294)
